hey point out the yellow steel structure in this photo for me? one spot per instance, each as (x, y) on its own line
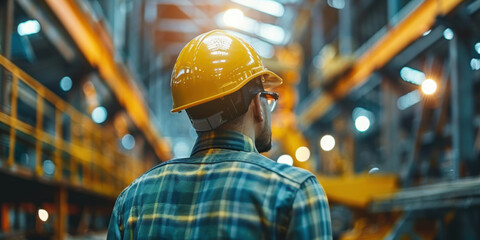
(396, 39)
(105, 170)
(99, 52)
(357, 190)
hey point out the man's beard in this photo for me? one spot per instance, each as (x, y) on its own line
(263, 143)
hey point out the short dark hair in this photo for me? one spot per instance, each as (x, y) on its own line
(231, 106)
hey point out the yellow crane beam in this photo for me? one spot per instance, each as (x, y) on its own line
(99, 53)
(393, 42)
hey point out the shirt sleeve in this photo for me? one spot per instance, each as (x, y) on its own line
(115, 227)
(310, 215)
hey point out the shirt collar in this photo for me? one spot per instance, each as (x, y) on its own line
(223, 140)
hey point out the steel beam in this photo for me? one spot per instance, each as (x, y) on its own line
(462, 104)
(61, 206)
(393, 42)
(390, 126)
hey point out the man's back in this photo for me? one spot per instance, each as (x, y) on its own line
(225, 190)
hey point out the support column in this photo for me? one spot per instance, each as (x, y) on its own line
(390, 126)
(61, 205)
(317, 40)
(462, 104)
(345, 29)
(5, 46)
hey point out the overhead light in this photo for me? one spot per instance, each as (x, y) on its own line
(66, 84)
(43, 215)
(28, 27)
(266, 6)
(99, 114)
(429, 86)
(269, 32)
(128, 142)
(362, 118)
(411, 75)
(362, 124)
(477, 47)
(338, 4)
(408, 100)
(448, 34)
(285, 159)
(302, 154)
(373, 170)
(233, 17)
(475, 64)
(327, 143)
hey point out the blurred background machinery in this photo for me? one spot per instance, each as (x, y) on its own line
(380, 101)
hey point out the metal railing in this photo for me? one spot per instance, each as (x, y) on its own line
(84, 154)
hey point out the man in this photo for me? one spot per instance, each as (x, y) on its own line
(225, 189)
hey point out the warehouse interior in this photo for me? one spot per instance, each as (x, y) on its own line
(381, 101)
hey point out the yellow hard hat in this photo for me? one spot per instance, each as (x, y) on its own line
(213, 65)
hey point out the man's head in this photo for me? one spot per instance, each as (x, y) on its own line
(219, 80)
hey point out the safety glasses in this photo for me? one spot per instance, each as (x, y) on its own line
(271, 97)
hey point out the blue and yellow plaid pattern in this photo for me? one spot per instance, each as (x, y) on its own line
(225, 190)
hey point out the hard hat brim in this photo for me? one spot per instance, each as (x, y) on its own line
(271, 80)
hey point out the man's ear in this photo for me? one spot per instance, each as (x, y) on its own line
(257, 107)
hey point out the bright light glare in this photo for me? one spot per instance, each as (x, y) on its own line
(302, 154)
(128, 142)
(266, 6)
(271, 33)
(477, 47)
(373, 170)
(362, 124)
(66, 84)
(99, 114)
(285, 159)
(412, 75)
(327, 143)
(233, 17)
(43, 215)
(338, 4)
(429, 87)
(448, 34)
(408, 100)
(28, 27)
(475, 64)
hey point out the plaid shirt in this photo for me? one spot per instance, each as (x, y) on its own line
(225, 190)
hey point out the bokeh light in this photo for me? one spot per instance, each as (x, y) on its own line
(362, 123)
(429, 87)
(285, 159)
(327, 143)
(302, 154)
(99, 114)
(43, 215)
